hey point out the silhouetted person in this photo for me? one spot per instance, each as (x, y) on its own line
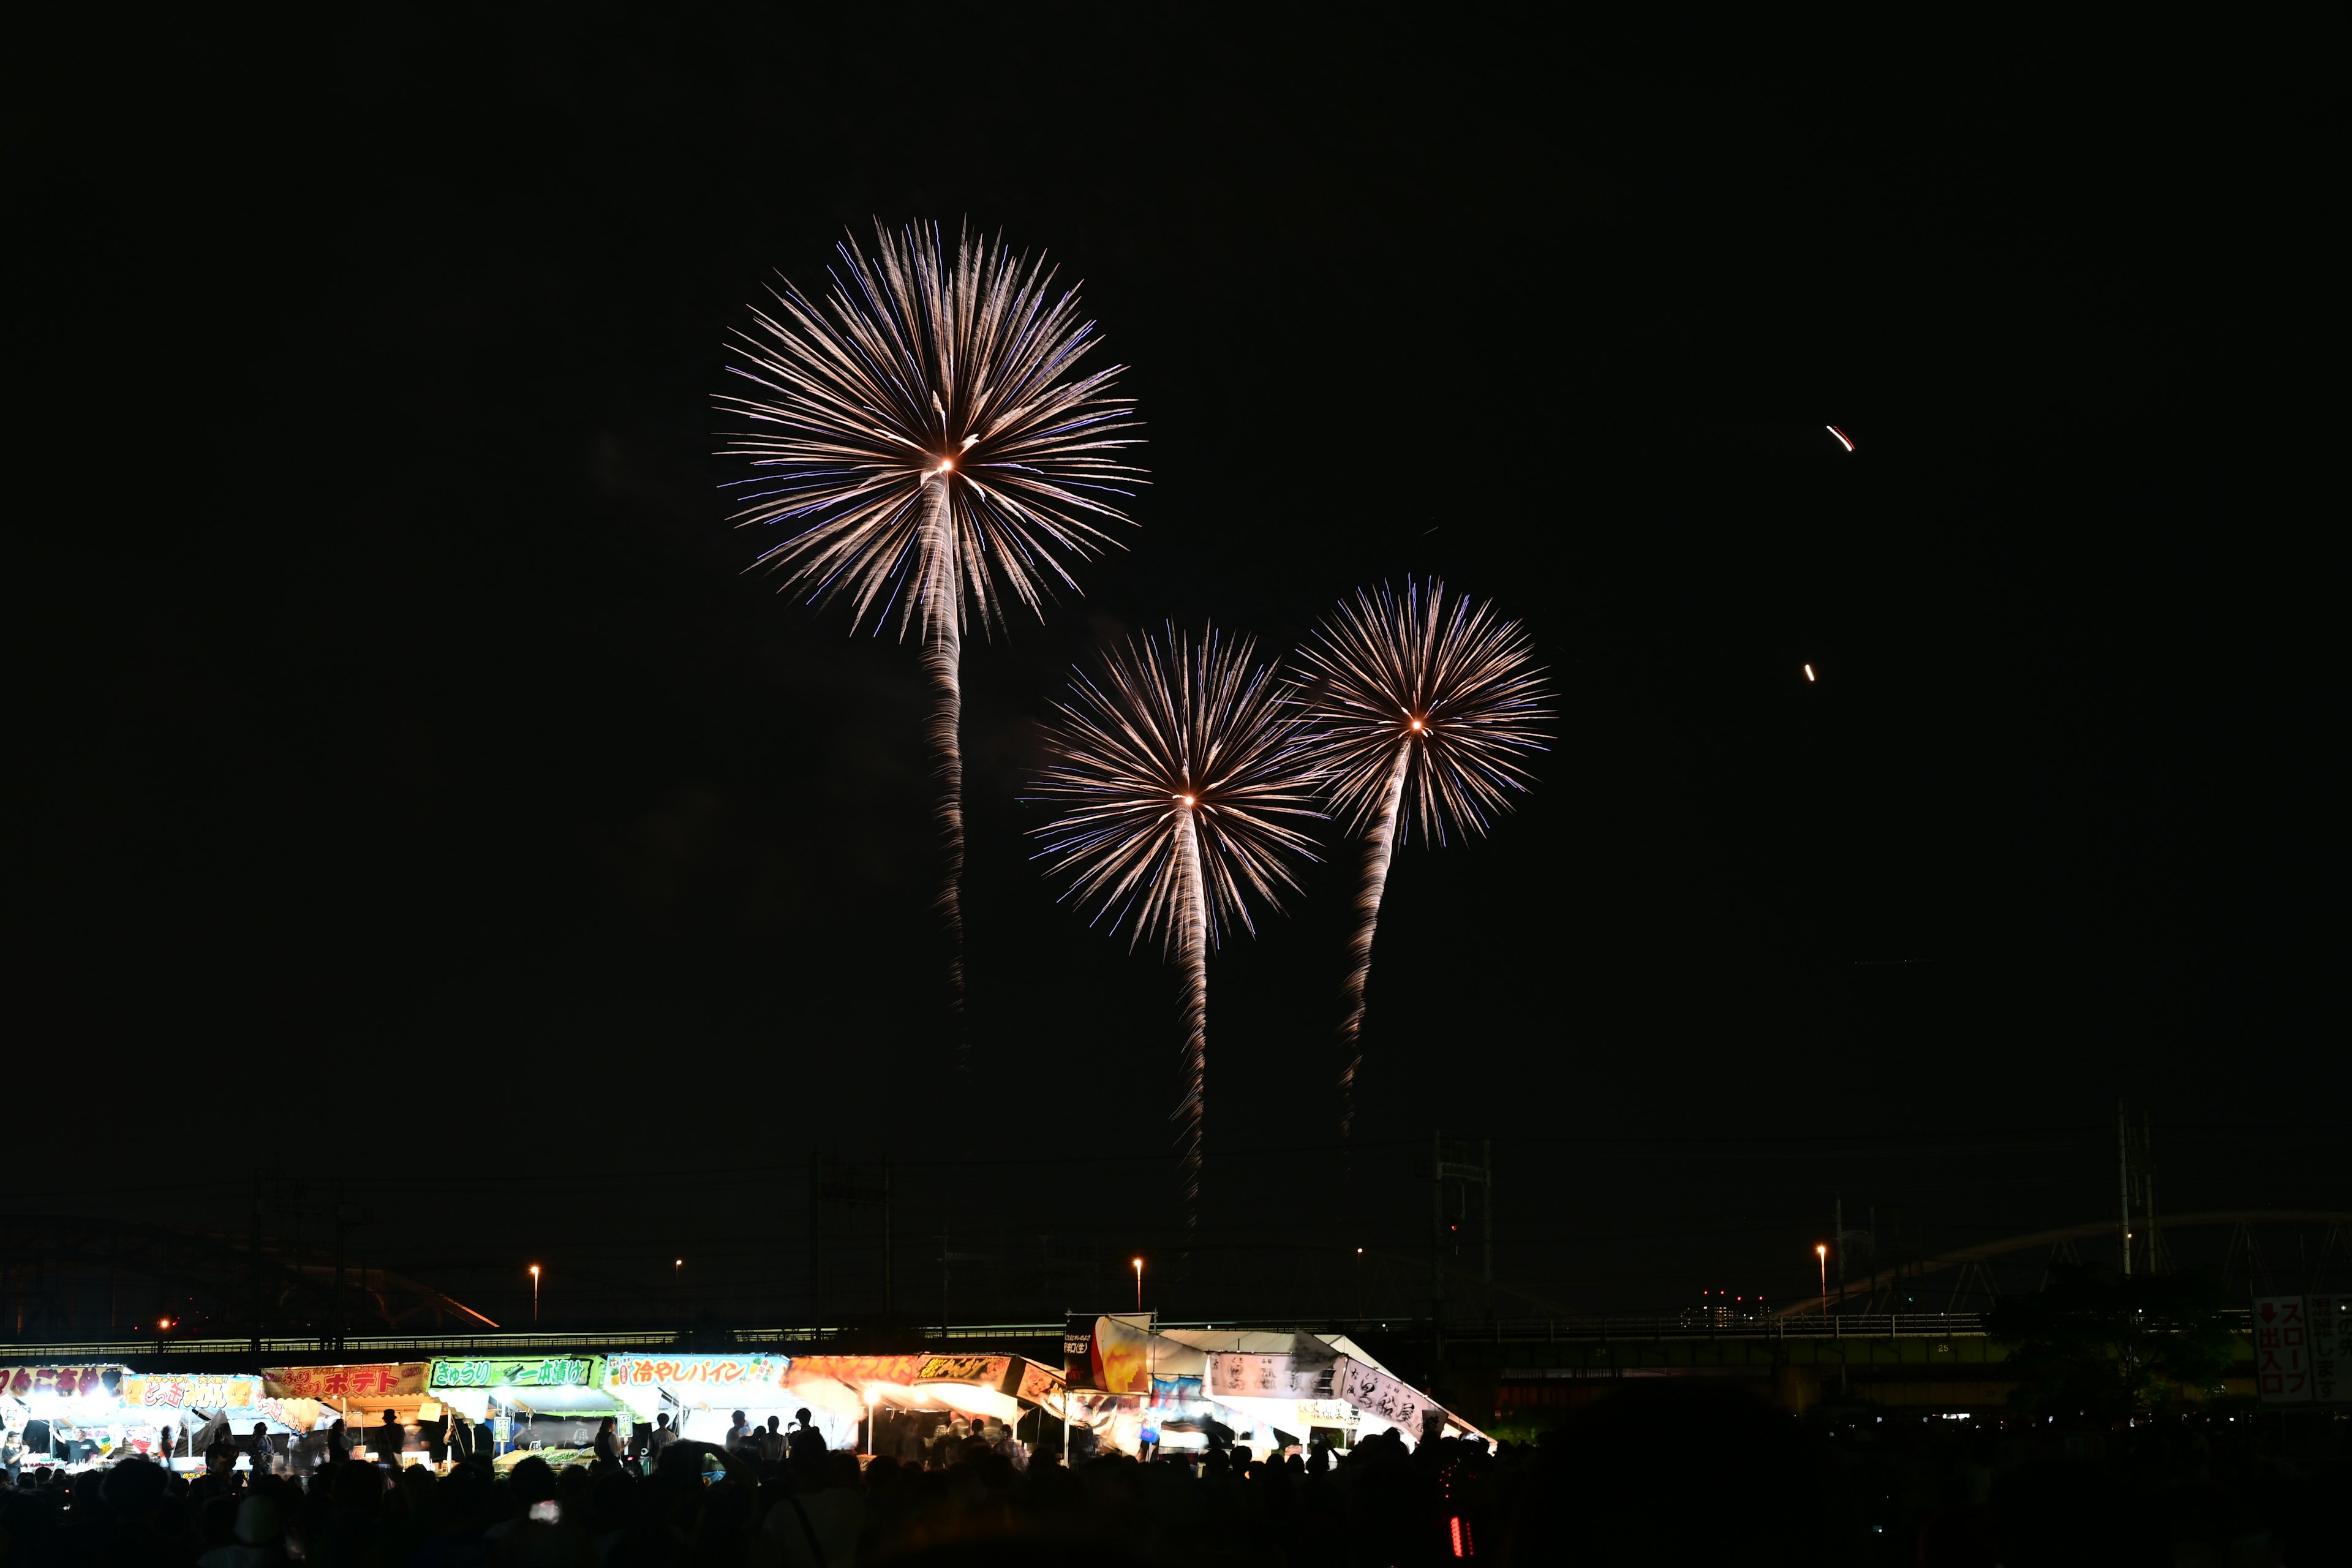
(806, 1441)
(389, 1439)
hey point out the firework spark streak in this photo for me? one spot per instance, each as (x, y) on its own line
(1415, 710)
(1184, 798)
(927, 439)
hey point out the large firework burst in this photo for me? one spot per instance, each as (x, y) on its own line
(928, 440)
(1185, 799)
(1416, 711)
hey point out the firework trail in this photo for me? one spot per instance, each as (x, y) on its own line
(1415, 710)
(1183, 796)
(928, 440)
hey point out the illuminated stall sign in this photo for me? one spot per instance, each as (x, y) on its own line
(64, 1382)
(1375, 1393)
(1107, 1354)
(193, 1391)
(1239, 1374)
(524, 1372)
(854, 1370)
(391, 1380)
(745, 1373)
(987, 1370)
(1039, 1385)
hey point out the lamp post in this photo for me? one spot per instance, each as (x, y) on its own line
(1359, 1284)
(1138, 1284)
(1822, 1251)
(534, 1295)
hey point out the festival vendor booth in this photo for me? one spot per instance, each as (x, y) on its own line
(547, 1405)
(699, 1394)
(1132, 1386)
(315, 1398)
(905, 1401)
(71, 1416)
(186, 1408)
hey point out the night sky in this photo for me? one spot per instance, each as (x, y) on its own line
(411, 788)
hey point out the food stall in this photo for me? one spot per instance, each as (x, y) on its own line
(71, 1416)
(357, 1395)
(1133, 1384)
(914, 1394)
(699, 1394)
(547, 1405)
(181, 1407)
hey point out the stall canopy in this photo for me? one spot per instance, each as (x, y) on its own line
(242, 1397)
(981, 1385)
(697, 1381)
(553, 1385)
(1273, 1382)
(361, 1392)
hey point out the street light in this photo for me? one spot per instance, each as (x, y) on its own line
(1822, 1251)
(534, 1293)
(1138, 1284)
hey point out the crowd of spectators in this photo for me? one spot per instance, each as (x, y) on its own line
(1666, 1476)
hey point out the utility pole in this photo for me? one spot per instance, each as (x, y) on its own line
(341, 1209)
(1837, 1233)
(1441, 1170)
(1437, 1226)
(1486, 1219)
(256, 1250)
(2122, 1183)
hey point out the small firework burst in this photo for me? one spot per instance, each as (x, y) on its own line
(1416, 711)
(1184, 798)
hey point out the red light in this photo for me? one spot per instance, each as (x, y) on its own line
(1456, 1524)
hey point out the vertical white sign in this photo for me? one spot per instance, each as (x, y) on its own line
(2282, 1350)
(2331, 1348)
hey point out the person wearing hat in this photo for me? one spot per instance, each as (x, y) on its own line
(258, 1543)
(388, 1440)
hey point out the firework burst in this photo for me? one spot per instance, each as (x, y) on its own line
(927, 439)
(1185, 799)
(1418, 711)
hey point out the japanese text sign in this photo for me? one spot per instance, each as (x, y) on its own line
(2282, 1350)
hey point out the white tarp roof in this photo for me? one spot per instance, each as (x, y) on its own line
(1268, 1342)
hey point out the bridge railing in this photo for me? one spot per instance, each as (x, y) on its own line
(378, 1347)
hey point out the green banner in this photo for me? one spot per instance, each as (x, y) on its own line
(515, 1371)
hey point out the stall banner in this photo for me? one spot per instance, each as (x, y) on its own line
(516, 1372)
(747, 1373)
(1039, 1385)
(190, 1391)
(2331, 1348)
(1290, 1375)
(389, 1380)
(1375, 1393)
(1107, 1354)
(65, 1382)
(987, 1371)
(2282, 1350)
(855, 1370)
